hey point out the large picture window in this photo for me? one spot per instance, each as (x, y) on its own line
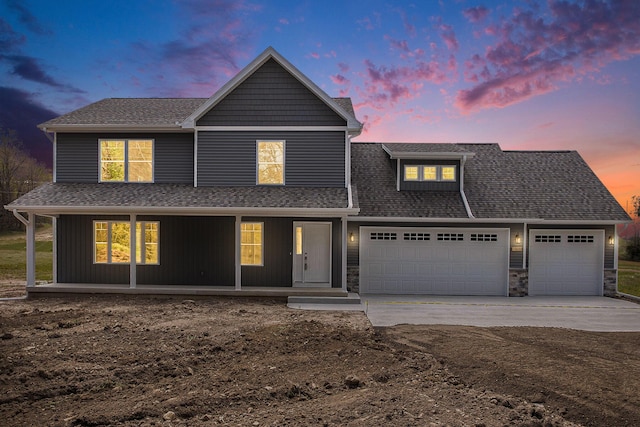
(270, 162)
(126, 160)
(112, 241)
(251, 243)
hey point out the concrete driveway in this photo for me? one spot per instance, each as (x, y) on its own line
(583, 313)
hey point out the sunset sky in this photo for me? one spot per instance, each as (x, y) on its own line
(529, 75)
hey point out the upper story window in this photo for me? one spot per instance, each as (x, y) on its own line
(270, 162)
(126, 160)
(444, 173)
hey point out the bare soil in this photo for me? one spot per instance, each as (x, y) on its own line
(143, 361)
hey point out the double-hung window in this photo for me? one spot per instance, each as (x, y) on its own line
(442, 173)
(270, 159)
(126, 160)
(112, 242)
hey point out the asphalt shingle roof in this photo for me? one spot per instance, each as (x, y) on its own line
(178, 196)
(142, 112)
(550, 185)
(375, 180)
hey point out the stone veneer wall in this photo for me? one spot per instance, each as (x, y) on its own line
(518, 283)
(353, 278)
(610, 286)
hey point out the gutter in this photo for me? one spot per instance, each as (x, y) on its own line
(203, 211)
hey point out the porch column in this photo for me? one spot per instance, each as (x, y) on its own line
(238, 257)
(344, 253)
(31, 250)
(132, 253)
(54, 224)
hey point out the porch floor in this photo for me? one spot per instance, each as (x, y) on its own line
(246, 291)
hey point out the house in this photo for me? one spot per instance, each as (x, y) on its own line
(260, 190)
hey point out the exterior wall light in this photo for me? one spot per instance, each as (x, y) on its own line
(611, 240)
(517, 239)
(352, 237)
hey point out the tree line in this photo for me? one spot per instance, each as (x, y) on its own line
(19, 174)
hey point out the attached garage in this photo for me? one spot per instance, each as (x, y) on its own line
(566, 262)
(434, 261)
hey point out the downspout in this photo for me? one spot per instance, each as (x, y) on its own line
(349, 197)
(464, 197)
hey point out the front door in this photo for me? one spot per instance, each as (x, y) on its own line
(312, 254)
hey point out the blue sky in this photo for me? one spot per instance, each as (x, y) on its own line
(532, 75)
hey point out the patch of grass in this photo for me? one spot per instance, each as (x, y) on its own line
(13, 257)
(629, 277)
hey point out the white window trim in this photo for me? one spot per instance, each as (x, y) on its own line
(439, 177)
(126, 159)
(261, 244)
(284, 160)
(109, 243)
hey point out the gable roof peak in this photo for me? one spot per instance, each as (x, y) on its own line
(353, 125)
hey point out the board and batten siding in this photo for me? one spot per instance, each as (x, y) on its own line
(271, 96)
(278, 253)
(77, 156)
(312, 159)
(193, 251)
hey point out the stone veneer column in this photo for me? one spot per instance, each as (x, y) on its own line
(518, 282)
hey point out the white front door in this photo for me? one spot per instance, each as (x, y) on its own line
(312, 254)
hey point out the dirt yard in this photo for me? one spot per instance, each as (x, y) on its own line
(143, 361)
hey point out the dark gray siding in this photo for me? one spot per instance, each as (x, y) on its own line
(429, 185)
(77, 156)
(609, 250)
(516, 256)
(271, 97)
(193, 251)
(278, 253)
(312, 159)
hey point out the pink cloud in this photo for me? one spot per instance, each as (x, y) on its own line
(343, 67)
(339, 79)
(408, 26)
(370, 24)
(449, 37)
(314, 55)
(400, 45)
(386, 86)
(533, 55)
(475, 14)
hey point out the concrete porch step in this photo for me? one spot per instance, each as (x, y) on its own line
(351, 298)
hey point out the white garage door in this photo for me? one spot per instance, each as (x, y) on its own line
(435, 261)
(566, 262)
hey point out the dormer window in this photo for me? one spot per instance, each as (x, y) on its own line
(432, 173)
